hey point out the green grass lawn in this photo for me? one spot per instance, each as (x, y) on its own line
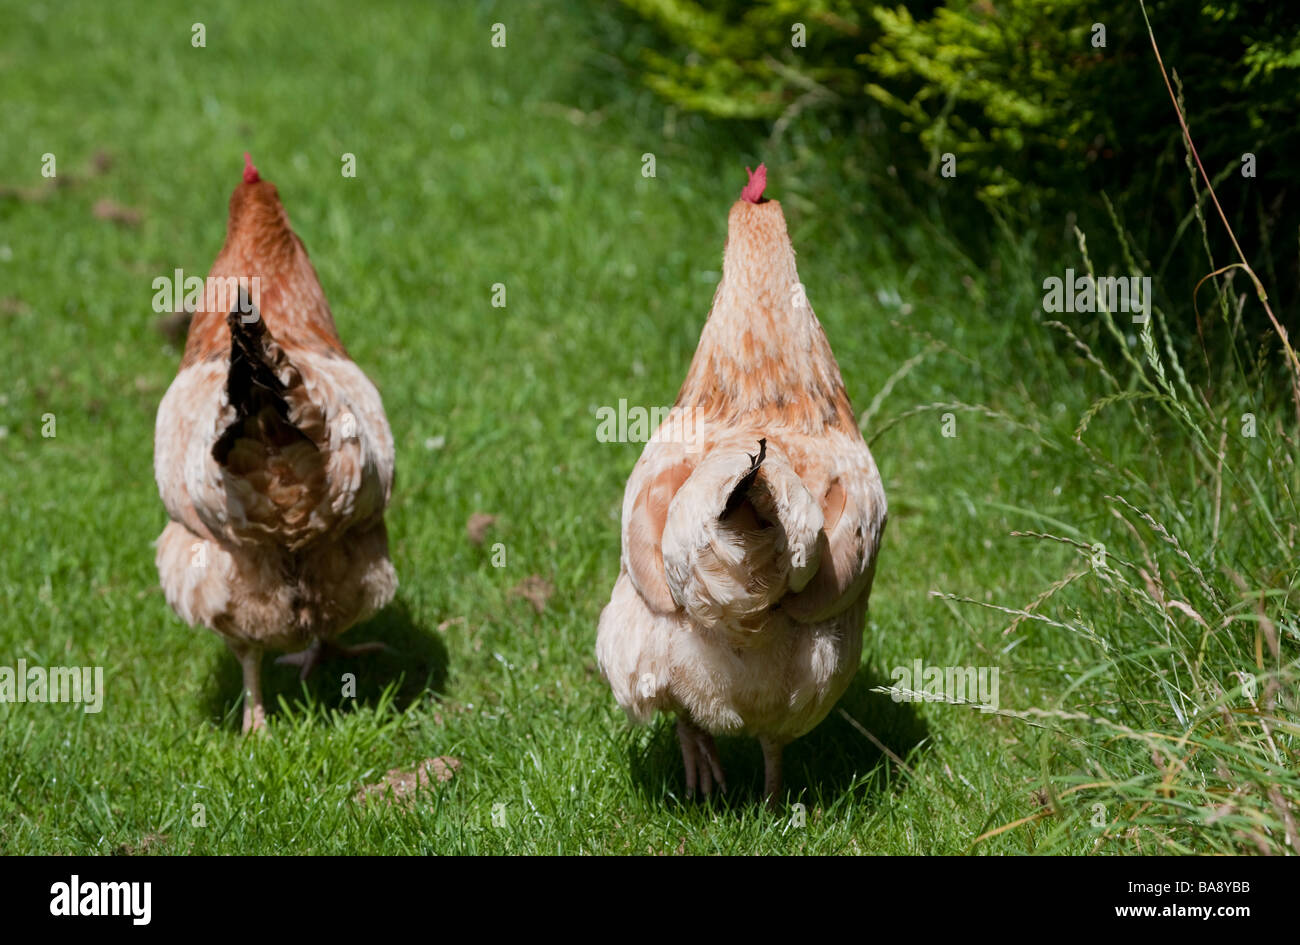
(477, 166)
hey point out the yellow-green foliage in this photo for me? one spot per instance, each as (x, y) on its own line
(736, 60)
(1017, 90)
(976, 82)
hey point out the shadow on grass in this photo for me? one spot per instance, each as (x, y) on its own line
(417, 662)
(819, 768)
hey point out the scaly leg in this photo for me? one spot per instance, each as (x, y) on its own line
(700, 758)
(250, 661)
(772, 751)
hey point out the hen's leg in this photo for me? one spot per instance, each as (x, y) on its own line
(699, 757)
(772, 751)
(320, 650)
(250, 661)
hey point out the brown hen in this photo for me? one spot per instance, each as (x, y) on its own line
(273, 457)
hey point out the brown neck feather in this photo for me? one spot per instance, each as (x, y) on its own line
(763, 357)
(261, 244)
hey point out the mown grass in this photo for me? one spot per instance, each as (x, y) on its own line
(479, 166)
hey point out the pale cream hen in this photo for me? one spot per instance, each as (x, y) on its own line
(751, 523)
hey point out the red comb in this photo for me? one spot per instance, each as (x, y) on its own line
(753, 191)
(250, 172)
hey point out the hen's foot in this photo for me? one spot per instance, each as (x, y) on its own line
(320, 650)
(700, 758)
(250, 663)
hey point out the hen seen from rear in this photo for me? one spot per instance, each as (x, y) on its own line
(273, 457)
(751, 523)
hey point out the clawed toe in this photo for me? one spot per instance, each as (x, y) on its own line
(358, 649)
(306, 659)
(318, 651)
(700, 759)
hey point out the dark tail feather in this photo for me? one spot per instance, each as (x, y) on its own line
(741, 492)
(252, 385)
